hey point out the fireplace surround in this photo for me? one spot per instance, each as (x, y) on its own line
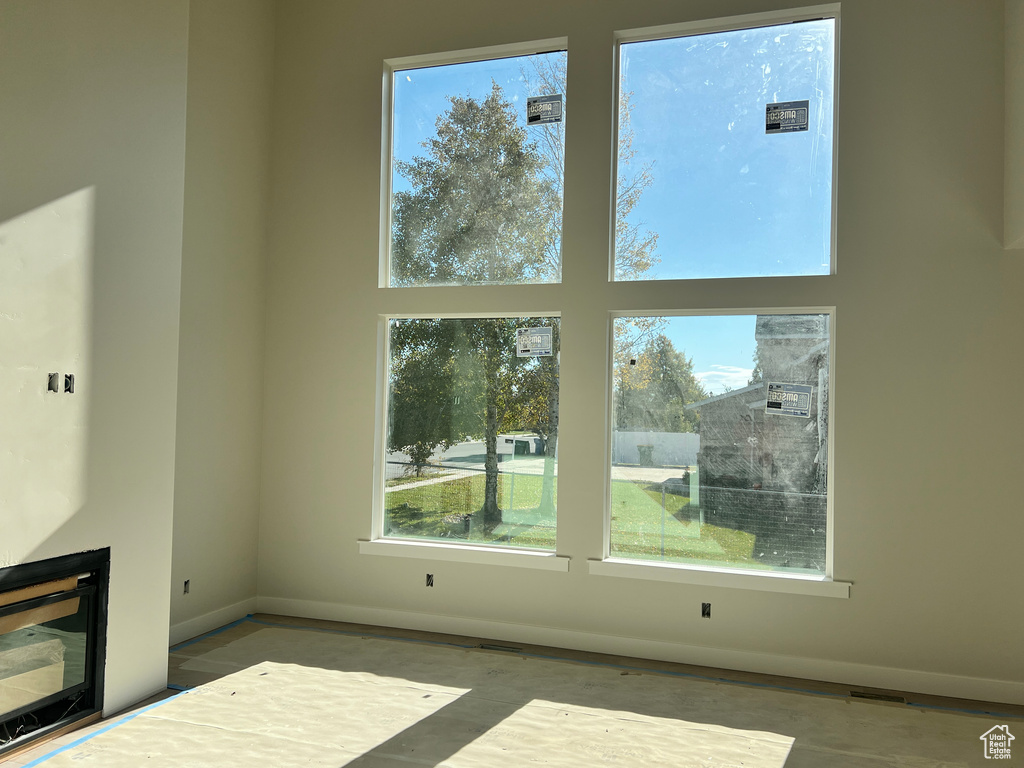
(53, 621)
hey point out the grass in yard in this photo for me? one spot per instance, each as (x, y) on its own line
(412, 477)
(445, 510)
(636, 529)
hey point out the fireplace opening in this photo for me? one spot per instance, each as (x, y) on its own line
(53, 619)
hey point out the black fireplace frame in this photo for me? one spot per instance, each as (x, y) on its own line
(94, 587)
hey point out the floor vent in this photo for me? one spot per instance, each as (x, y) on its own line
(877, 697)
(503, 648)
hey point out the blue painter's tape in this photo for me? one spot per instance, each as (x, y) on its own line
(104, 729)
(225, 628)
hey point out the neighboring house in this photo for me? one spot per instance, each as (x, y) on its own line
(728, 457)
(766, 473)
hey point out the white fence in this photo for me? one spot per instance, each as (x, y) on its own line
(667, 449)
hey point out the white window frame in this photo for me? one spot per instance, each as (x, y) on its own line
(377, 544)
(391, 66)
(727, 24)
(395, 301)
(431, 549)
(824, 585)
(713, 576)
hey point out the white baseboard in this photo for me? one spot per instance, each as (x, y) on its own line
(208, 622)
(865, 675)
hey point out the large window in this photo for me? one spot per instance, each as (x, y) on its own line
(720, 410)
(720, 440)
(725, 153)
(475, 172)
(472, 196)
(720, 422)
(472, 430)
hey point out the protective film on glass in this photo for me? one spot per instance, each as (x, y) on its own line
(725, 145)
(477, 162)
(720, 441)
(472, 430)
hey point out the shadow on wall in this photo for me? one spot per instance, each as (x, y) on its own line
(46, 261)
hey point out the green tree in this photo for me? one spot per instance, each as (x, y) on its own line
(508, 383)
(540, 413)
(485, 206)
(756, 374)
(420, 409)
(635, 245)
(477, 210)
(455, 377)
(653, 388)
(432, 403)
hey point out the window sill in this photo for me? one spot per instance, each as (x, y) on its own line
(466, 553)
(760, 581)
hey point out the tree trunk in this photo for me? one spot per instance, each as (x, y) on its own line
(547, 489)
(491, 510)
(420, 455)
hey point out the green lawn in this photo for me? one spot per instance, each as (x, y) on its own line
(636, 529)
(438, 510)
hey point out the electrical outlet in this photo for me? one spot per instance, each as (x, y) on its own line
(187, 584)
(430, 579)
(705, 610)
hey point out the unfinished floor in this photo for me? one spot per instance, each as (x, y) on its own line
(271, 690)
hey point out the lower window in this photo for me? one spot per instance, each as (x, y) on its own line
(472, 430)
(720, 440)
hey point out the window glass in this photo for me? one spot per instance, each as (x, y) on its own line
(720, 440)
(472, 430)
(725, 154)
(476, 172)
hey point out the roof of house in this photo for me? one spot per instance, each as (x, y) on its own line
(730, 393)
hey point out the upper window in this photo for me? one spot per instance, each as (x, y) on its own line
(474, 173)
(725, 153)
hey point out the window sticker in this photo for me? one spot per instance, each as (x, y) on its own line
(788, 399)
(786, 116)
(544, 109)
(533, 342)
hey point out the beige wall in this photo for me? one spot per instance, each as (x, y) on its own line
(98, 181)
(220, 363)
(92, 141)
(928, 319)
(1014, 176)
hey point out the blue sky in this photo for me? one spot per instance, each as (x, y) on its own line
(720, 346)
(421, 95)
(727, 199)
